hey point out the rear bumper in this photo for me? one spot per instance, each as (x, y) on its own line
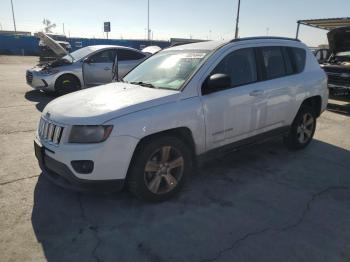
(61, 175)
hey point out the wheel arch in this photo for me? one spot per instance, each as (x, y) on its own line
(315, 102)
(182, 133)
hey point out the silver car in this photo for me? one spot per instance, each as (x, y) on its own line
(85, 67)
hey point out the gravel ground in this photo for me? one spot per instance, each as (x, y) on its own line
(263, 203)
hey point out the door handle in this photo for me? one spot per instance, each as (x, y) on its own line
(107, 68)
(256, 93)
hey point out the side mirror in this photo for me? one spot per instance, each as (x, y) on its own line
(217, 82)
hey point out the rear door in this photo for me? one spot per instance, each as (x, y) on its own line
(127, 60)
(98, 68)
(277, 86)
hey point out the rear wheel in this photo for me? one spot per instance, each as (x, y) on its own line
(302, 129)
(66, 84)
(159, 168)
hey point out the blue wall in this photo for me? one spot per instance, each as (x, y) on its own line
(28, 45)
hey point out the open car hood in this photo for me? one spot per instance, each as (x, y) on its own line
(52, 44)
(339, 39)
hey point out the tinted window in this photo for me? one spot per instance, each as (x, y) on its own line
(125, 54)
(240, 66)
(273, 62)
(288, 64)
(106, 56)
(299, 56)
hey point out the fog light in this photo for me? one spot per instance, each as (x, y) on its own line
(83, 166)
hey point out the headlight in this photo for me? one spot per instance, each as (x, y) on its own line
(49, 71)
(89, 134)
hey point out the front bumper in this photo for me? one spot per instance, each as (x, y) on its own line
(41, 82)
(111, 162)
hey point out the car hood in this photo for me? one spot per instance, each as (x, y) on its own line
(339, 39)
(52, 44)
(102, 103)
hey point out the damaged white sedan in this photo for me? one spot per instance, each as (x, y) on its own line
(85, 67)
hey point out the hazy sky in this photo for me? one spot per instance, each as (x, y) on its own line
(181, 18)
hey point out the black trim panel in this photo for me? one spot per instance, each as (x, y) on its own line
(217, 152)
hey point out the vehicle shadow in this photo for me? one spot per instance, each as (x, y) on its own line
(40, 97)
(221, 202)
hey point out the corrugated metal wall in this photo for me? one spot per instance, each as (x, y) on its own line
(28, 45)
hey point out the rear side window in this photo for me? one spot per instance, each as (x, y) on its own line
(240, 66)
(125, 54)
(273, 62)
(298, 57)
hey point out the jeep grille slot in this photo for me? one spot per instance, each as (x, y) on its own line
(49, 131)
(29, 77)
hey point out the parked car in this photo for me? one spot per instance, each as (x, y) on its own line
(181, 105)
(85, 67)
(338, 65)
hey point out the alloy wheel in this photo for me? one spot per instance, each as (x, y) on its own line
(305, 128)
(163, 170)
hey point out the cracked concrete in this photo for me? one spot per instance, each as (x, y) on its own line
(263, 203)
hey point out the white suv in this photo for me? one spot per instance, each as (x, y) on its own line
(183, 103)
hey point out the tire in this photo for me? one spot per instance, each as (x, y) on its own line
(155, 179)
(302, 129)
(66, 84)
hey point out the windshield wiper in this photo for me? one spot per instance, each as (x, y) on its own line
(143, 84)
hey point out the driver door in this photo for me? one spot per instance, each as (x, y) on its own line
(99, 68)
(232, 113)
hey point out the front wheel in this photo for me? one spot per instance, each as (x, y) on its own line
(302, 129)
(66, 84)
(159, 168)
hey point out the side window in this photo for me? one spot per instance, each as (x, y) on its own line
(298, 56)
(240, 66)
(106, 56)
(287, 61)
(125, 54)
(273, 62)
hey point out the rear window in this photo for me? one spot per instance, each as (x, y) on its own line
(273, 62)
(125, 54)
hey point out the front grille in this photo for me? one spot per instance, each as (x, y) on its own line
(49, 131)
(29, 77)
(336, 79)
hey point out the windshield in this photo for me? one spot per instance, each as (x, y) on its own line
(80, 53)
(167, 69)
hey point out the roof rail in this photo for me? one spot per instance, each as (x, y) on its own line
(263, 37)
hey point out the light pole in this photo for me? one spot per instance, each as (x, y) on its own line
(237, 18)
(148, 32)
(13, 16)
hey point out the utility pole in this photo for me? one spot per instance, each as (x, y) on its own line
(148, 31)
(13, 16)
(64, 33)
(237, 18)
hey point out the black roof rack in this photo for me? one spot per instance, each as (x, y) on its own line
(263, 38)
